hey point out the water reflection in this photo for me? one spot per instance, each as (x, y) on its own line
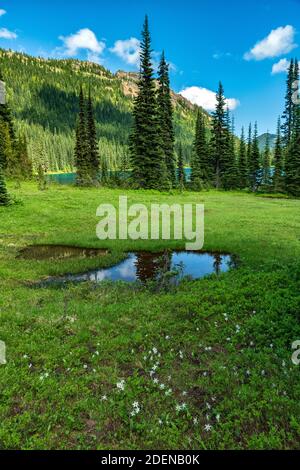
(146, 266)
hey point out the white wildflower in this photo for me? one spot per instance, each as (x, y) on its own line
(207, 427)
(121, 385)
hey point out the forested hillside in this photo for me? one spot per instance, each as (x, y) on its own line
(43, 95)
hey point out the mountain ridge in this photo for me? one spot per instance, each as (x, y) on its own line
(43, 94)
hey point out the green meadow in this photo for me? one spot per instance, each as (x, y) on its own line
(202, 365)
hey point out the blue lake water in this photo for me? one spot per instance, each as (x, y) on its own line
(70, 178)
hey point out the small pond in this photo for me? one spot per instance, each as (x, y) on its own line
(146, 266)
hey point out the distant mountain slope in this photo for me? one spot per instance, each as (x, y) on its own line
(43, 94)
(262, 139)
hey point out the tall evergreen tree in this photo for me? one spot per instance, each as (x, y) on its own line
(81, 145)
(295, 95)
(278, 161)
(254, 162)
(181, 173)
(243, 162)
(6, 115)
(292, 161)
(249, 150)
(266, 170)
(147, 155)
(4, 197)
(230, 172)
(219, 136)
(93, 151)
(288, 111)
(200, 164)
(165, 108)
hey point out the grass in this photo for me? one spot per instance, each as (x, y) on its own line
(79, 359)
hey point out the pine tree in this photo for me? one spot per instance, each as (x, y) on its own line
(295, 95)
(288, 112)
(7, 151)
(254, 162)
(266, 171)
(166, 118)
(4, 197)
(249, 151)
(93, 152)
(200, 164)
(278, 161)
(181, 172)
(292, 162)
(243, 163)
(6, 115)
(81, 145)
(219, 136)
(230, 171)
(149, 168)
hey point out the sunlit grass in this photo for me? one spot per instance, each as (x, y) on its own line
(116, 366)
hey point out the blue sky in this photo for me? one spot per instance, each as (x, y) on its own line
(205, 41)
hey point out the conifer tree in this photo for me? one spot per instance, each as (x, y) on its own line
(219, 136)
(266, 170)
(243, 163)
(277, 180)
(287, 117)
(4, 197)
(181, 173)
(249, 151)
(254, 163)
(295, 95)
(81, 145)
(6, 115)
(230, 171)
(166, 118)
(200, 164)
(292, 161)
(93, 152)
(7, 151)
(149, 168)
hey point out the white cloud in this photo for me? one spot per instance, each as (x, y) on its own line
(280, 41)
(84, 39)
(6, 34)
(128, 50)
(206, 98)
(281, 66)
(2, 12)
